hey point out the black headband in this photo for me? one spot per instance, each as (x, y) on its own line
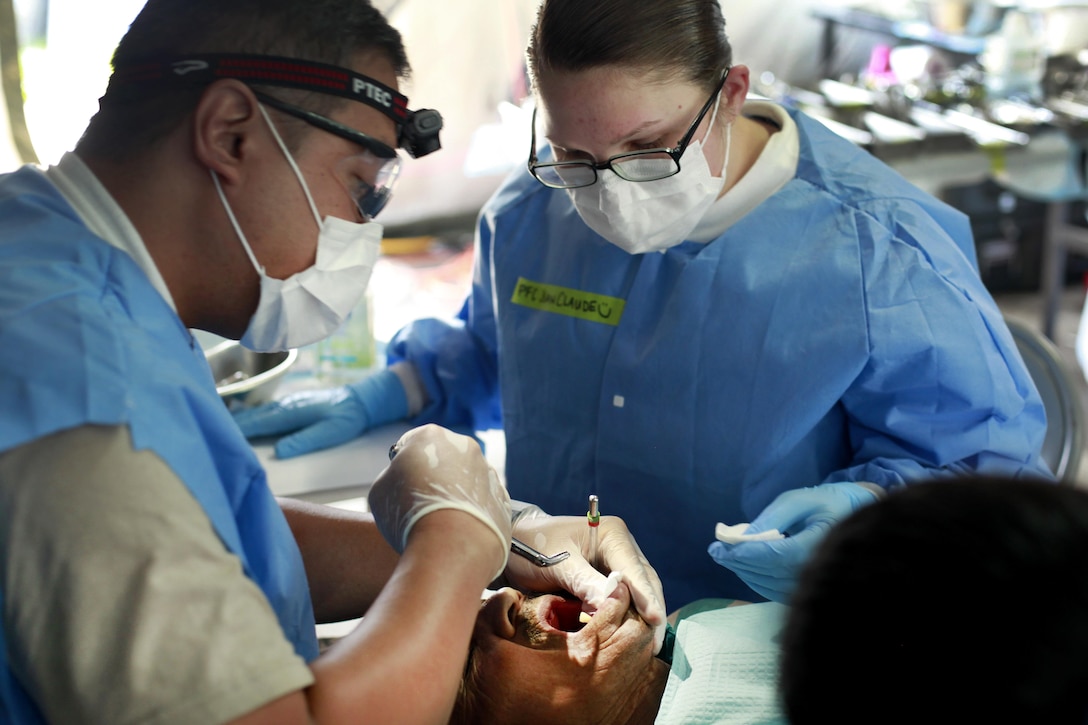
(200, 70)
(417, 131)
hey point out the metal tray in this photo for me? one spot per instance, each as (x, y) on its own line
(246, 377)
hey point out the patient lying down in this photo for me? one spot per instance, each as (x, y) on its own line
(533, 661)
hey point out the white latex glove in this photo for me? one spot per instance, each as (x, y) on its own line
(618, 558)
(434, 469)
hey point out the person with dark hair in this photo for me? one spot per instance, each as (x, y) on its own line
(946, 602)
(229, 183)
(703, 308)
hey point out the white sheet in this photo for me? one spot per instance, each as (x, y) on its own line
(725, 665)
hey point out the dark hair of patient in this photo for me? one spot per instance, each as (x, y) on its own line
(953, 601)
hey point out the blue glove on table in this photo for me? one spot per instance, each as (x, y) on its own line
(326, 418)
(805, 515)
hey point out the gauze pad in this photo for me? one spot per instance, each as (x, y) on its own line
(735, 534)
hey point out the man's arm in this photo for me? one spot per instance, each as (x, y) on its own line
(347, 560)
(121, 599)
(402, 664)
(416, 632)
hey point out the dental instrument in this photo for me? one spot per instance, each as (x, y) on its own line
(593, 517)
(522, 549)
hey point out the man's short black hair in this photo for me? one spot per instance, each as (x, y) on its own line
(325, 31)
(1001, 634)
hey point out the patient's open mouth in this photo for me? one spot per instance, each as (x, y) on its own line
(564, 614)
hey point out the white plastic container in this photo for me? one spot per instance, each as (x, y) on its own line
(349, 354)
(1015, 57)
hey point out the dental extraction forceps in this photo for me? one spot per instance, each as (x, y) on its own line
(518, 547)
(522, 549)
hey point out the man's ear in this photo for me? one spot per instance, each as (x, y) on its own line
(224, 123)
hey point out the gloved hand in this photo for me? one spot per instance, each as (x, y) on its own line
(326, 418)
(805, 515)
(617, 553)
(434, 469)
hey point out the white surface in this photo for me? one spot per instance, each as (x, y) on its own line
(352, 464)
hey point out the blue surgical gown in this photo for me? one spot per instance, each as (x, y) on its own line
(85, 339)
(838, 332)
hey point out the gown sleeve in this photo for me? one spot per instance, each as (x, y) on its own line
(944, 390)
(456, 359)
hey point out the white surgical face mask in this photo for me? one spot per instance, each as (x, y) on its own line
(651, 216)
(310, 305)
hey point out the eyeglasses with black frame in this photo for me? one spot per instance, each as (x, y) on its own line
(371, 174)
(642, 165)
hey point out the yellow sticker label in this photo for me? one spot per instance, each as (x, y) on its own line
(565, 301)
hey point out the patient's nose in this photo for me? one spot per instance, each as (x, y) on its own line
(501, 612)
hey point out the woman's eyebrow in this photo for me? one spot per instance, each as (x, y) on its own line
(613, 142)
(636, 131)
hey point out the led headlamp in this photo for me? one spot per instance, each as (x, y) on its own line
(417, 131)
